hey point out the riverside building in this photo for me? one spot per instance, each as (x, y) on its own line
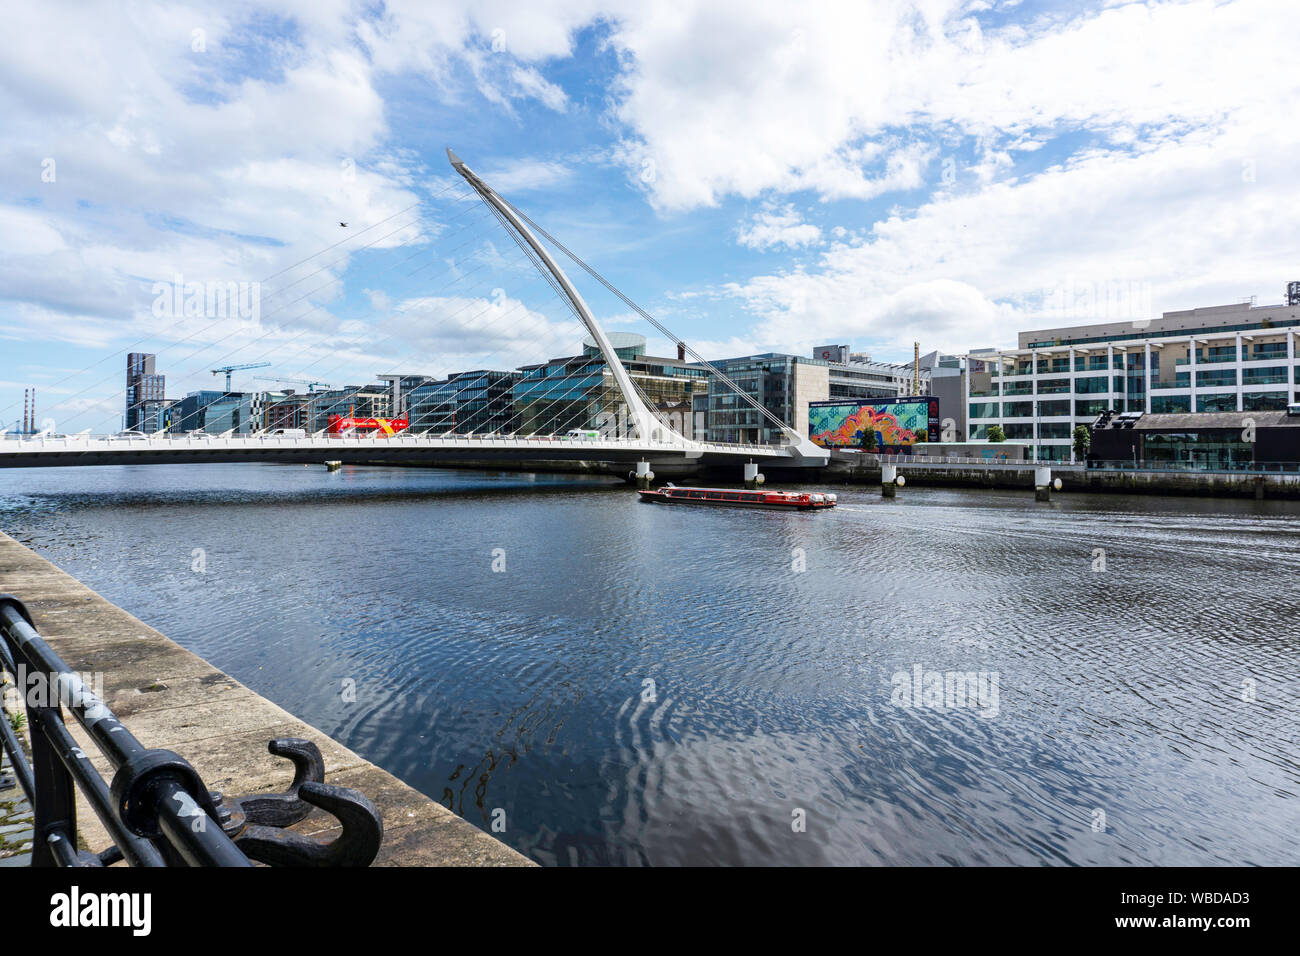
(1225, 358)
(786, 384)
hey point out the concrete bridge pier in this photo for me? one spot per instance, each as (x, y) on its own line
(890, 481)
(644, 476)
(1042, 484)
(752, 476)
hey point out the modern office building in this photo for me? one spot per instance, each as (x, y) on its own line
(144, 392)
(400, 388)
(191, 411)
(479, 402)
(1226, 358)
(786, 384)
(213, 412)
(361, 401)
(947, 377)
(580, 392)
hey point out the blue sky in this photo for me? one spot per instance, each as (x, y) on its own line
(761, 176)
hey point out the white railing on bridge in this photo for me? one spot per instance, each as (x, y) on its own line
(53, 442)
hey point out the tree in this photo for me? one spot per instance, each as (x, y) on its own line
(869, 439)
(996, 433)
(1082, 441)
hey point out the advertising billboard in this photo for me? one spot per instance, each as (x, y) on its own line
(898, 423)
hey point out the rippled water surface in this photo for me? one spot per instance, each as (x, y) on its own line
(650, 684)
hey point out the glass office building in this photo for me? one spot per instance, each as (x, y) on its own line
(1228, 358)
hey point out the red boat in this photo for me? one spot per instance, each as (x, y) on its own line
(730, 497)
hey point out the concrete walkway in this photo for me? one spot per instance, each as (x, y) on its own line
(173, 699)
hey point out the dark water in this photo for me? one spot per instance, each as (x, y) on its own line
(658, 685)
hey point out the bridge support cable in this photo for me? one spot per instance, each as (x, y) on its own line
(240, 330)
(199, 332)
(800, 445)
(646, 425)
(656, 323)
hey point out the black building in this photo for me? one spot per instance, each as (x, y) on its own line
(1202, 439)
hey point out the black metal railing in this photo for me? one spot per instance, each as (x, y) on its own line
(157, 810)
(1217, 467)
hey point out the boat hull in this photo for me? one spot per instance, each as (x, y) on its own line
(727, 498)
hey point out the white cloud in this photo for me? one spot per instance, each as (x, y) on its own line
(778, 227)
(1178, 169)
(972, 269)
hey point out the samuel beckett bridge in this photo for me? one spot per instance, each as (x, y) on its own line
(604, 406)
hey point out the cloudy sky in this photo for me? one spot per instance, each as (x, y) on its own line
(760, 175)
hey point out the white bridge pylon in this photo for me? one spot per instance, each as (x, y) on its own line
(648, 426)
(644, 421)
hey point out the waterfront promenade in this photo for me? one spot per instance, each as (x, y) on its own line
(171, 698)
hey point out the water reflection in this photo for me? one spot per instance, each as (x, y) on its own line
(654, 685)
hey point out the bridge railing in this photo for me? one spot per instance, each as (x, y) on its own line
(201, 440)
(902, 460)
(1198, 467)
(157, 811)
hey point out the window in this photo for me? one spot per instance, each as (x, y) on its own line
(1221, 402)
(1166, 404)
(1090, 408)
(1017, 409)
(1055, 429)
(1097, 383)
(1263, 401)
(983, 409)
(1219, 378)
(1275, 375)
(1050, 409)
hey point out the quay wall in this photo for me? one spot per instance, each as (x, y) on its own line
(1203, 484)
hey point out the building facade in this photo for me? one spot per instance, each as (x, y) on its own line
(579, 391)
(145, 392)
(786, 385)
(479, 402)
(1200, 440)
(1228, 358)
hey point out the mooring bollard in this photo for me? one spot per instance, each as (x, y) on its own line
(752, 477)
(1043, 484)
(644, 476)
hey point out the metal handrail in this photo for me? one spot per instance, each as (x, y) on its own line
(1197, 467)
(157, 811)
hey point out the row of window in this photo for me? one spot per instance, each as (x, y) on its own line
(1160, 404)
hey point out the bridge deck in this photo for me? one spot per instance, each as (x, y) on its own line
(398, 449)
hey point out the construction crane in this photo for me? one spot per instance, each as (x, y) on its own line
(235, 368)
(311, 386)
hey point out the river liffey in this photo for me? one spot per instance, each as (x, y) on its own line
(948, 677)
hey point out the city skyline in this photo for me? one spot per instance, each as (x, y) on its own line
(961, 198)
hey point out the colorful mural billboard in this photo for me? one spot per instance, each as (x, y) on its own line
(898, 423)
